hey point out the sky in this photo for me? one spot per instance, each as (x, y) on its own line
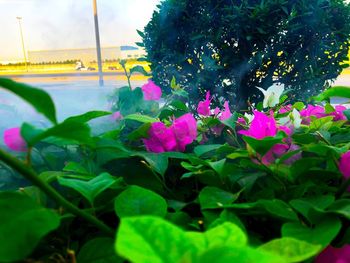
(60, 24)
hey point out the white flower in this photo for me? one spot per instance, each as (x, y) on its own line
(272, 95)
(292, 118)
(249, 117)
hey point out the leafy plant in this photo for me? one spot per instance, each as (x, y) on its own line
(232, 47)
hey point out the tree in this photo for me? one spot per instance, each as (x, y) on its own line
(230, 47)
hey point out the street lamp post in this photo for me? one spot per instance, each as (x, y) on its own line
(23, 46)
(98, 45)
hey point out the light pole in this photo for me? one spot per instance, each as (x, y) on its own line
(23, 47)
(98, 45)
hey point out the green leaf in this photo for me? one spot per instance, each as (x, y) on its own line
(337, 91)
(299, 106)
(88, 116)
(139, 201)
(329, 108)
(292, 250)
(99, 250)
(75, 168)
(158, 162)
(139, 69)
(227, 254)
(347, 114)
(77, 131)
(141, 118)
(23, 223)
(264, 145)
(324, 123)
(321, 234)
(203, 149)
(226, 233)
(341, 207)
(232, 121)
(89, 189)
(39, 99)
(212, 197)
(151, 239)
(141, 132)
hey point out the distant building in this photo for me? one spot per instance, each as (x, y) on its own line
(86, 55)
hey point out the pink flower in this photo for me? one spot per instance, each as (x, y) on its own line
(226, 114)
(204, 106)
(185, 130)
(14, 140)
(334, 255)
(278, 150)
(275, 152)
(338, 113)
(117, 116)
(262, 126)
(286, 109)
(151, 91)
(161, 139)
(311, 110)
(344, 164)
(182, 132)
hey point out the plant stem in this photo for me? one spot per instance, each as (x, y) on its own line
(29, 174)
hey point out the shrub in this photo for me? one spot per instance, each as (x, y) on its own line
(232, 47)
(267, 186)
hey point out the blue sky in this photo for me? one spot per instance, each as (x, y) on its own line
(53, 24)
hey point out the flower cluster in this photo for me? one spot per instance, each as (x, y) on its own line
(205, 110)
(320, 112)
(14, 141)
(151, 91)
(182, 132)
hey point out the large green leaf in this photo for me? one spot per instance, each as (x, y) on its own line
(264, 145)
(337, 91)
(158, 162)
(227, 254)
(89, 189)
(88, 116)
(212, 197)
(322, 233)
(72, 130)
(39, 99)
(99, 250)
(226, 233)
(292, 250)
(23, 223)
(139, 201)
(152, 240)
(341, 207)
(140, 118)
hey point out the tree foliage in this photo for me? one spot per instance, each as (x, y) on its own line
(232, 46)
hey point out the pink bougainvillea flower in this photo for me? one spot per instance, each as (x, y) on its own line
(311, 110)
(182, 132)
(151, 91)
(161, 138)
(344, 164)
(226, 114)
(116, 116)
(14, 140)
(185, 130)
(278, 150)
(338, 113)
(334, 255)
(285, 109)
(275, 152)
(216, 111)
(262, 126)
(204, 106)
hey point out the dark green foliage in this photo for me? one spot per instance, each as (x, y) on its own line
(230, 47)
